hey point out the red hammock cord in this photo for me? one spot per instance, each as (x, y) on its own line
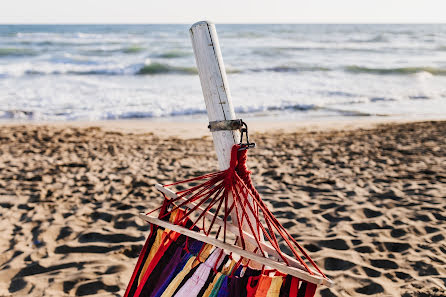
(234, 186)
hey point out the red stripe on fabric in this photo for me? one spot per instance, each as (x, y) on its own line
(294, 287)
(311, 290)
(138, 264)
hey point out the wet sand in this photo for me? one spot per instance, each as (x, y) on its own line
(368, 204)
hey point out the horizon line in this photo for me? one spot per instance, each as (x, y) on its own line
(235, 23)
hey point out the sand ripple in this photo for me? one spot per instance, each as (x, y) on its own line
(369, 204)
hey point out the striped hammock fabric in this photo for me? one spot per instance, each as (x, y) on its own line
(214, 236)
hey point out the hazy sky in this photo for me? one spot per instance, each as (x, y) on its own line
(223, 11)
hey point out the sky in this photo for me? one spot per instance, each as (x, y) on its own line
(222, 11)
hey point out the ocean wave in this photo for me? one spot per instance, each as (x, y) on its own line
(295, 107)
(160, 68)
(284, 107)
(339, 94)
(134, 49)
(280, 51)
(419, 97)
(352, 112)
(375, 39)
(128, 115)
(243, 34)
(17, 114)
(398, 70)
(174, 54)
(287, 68)
(381, 99)
(157, 113)
(151, 68)
(75, 66)
(16, 52)
(243, 110)
(69, 59)
(76, 72)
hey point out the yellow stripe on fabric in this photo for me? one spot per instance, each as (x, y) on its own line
(160, 236)
(206, 252)
(274, 288)
(211, 285)
(227, 269)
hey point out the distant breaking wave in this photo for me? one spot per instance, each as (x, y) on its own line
(286, 68)
(400, 70)
(134, 49)
(34, 115)
(25, 114)
(377, 38)
(174, 54)
(158, 68)
(16, 52)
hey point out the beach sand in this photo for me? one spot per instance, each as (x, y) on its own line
(368, 203)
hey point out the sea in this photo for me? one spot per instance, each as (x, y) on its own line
(295, 71)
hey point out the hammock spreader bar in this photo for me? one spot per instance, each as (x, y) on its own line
(265, 245)
(315, 279)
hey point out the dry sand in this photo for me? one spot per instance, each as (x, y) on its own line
(369, 204)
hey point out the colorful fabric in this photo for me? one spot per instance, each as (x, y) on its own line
(302, 289)
(228, 268)
(245, 278)
(274, 288)
(214, 292)
(286, 286)
(193, 286)
(133, 284)
(263, 286)
(170, 290)
(211, 286)
(224, 289)
(223, 263)
(167, 248)
(251, 287)
(294, 288)
(311, 290)
(159, 262)
(153, 250)
(162, 269)
(172, 275)
(193, 247)
(209, 280)
(236, 286)
(160, 237)
(205, 252)
(166, 274)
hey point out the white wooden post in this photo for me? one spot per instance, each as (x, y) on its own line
(215, 87)
(216, 94)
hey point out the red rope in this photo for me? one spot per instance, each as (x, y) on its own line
(235, 183)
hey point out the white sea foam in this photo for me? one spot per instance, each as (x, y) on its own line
(115, 72)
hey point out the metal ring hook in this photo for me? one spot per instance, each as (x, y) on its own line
(247, 145)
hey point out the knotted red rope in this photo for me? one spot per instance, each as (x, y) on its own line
(231, 193)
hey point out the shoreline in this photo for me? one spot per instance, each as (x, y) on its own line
(189, 128)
